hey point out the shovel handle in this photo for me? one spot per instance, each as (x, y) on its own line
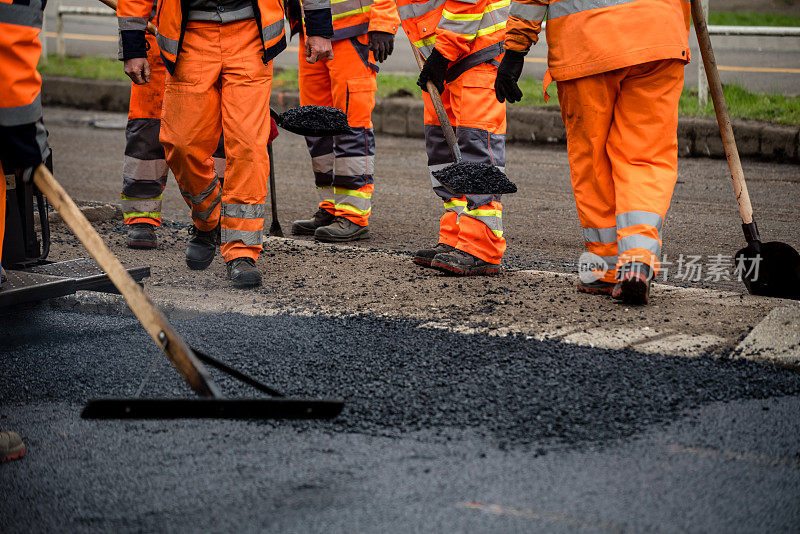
(151, 317)
(113, 5)
(441, 113)
(721, 110)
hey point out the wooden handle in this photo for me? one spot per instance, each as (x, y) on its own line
(721, 110)
(173, 345)
(441, 113)
(113, 5)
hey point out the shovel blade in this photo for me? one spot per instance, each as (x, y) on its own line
(285, 408)
(771, 271)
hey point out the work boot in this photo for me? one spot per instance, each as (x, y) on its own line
(243, 272)
(462, 263)
(341, 230)
(598, 287)
(202, 247)
(634, 283)
(141, 235)
(425, 256)
(306, 227)
(11, 446)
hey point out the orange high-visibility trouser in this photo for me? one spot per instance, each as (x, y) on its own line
(622, 145)
(220, 82)
(344, 164)
(472, 223)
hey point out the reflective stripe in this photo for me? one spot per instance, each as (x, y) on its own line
(132, 23)
(354, 193)
(600, 235)
(527, 11)
(272, 31)
(632, 218)
(150, 205)
(204, 215)
(639, 241)
(21, 15)
(354, 166)
(322, 163)
(492, 218)
(340, 7)
(415, 10)
(311, 5)
(204, 194)
(570, 7)
(470, 24)
(144, 169)
(364, 9)
(244, 211)
(325, 193)
(141, 214)
(224, 17)
(168, 45)
(357, 205)
(19, 115)
(611, 261)
(455, 203)
(247, 237)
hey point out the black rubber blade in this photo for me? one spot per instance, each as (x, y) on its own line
(469, 178)
(212, 409)
(776, 274)
(314, 121)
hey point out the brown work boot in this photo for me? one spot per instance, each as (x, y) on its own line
(462, 263)
(598, 287)
(307, 226)
(202, 247)
(244, 273)
(11, 446)
(634, 284)
(425, 256)
(341, 230)
(141, 236)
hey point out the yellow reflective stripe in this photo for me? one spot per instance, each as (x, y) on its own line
(425, 41)
(461, 16)
(351, 192)
(364, 9)
(124, 197)
(349, 208)
(147, 214)
(484, 213)
(491, 29)
(498, 233)
(455, 203)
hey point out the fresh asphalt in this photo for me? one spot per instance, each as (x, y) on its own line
(442, 432)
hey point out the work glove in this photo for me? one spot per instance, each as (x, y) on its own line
(381, 44)
(434, 71)
(505, 85)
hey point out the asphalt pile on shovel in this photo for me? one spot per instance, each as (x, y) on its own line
(313, 121)
(475, 178)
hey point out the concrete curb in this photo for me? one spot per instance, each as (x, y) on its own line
(697, 136)
(775, 340)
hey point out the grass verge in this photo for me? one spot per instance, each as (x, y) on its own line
(751, 18)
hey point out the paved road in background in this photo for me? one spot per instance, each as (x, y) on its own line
(758, 63)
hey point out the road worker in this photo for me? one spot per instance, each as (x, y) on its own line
(462, 43)
(619, 68)
(218, 56)
(343, 165)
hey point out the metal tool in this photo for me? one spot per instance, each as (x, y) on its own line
(770, 269)
(275, 226)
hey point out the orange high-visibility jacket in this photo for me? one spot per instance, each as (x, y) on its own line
(352, 18)
(590, 37)
(171, 23)
(467, 32)
(20, 83)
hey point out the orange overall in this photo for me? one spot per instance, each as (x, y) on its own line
(470, 35)
(619, 68)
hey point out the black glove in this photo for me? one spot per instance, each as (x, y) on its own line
(381, 44)
(507, 76)
(434, 70)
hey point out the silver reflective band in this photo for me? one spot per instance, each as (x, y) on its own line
(223, 17)
(203, 215)
(204, 194)
(358, 203)
(22, 114)
(639, 241)
(143, 169)
(611, 261)
(250, 238)
(527, 11)
(147, 205)
(311, 5)
(322, 163)
(21, 15)
(244, 211)
(354, 166)
(570, 7)
(167, 45)
(632, 218)
(415, 10)
(600, 235)
(132, 23)
(273, 30)
(465, 27)
(349, 5)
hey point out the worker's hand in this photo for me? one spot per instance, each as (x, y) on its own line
(381, 44)
(318, 48)
(138, 70)
(505, 86)
(434, 71)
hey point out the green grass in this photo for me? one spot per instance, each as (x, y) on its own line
(751, 18)
(741, 102)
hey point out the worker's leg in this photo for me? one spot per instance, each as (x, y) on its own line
(643, 149)
(480, 122)
(246, 84)
(587, 108)
(144, 168)
(191, 122)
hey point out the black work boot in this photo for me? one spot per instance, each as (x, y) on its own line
(202, 247)
(462, 263)
(341, 230)
(307, 226)
(634, 283)
(425, 256)
(11, 446)
(243, 272)
(598, 287)
(141, 235)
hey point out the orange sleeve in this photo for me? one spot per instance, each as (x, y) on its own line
(524, 24)
(383, 17)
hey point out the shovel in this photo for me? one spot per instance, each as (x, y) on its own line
(770, 269)
(313, 121)
(463, 177)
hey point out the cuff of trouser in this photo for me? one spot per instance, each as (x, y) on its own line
(319, 23)
(517, 45)
(133, 44)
